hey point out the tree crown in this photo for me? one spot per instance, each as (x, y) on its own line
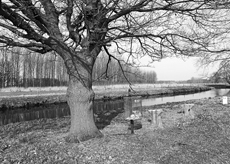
(150, 27)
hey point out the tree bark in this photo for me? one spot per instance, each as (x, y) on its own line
(80, 100)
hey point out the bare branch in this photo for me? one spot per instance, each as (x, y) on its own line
(19, 22)
(119, 62)
(29, 10)
(72, 33)
(40, 48)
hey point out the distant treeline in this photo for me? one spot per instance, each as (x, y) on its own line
(114, 74)
(22, 68)
(26, 82)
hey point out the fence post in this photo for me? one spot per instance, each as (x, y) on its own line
(156, 118)
(131, 114)
(127, 106)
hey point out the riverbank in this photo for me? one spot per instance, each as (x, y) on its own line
(204, 139)
(32, 98)
(219, 86)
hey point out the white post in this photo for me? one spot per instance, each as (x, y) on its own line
(225, 100)
(156, 118)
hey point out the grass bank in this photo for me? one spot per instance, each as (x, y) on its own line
(202, 140)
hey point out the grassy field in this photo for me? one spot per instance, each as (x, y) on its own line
(106, 89)
(202, 140)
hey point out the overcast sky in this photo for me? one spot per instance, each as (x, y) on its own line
(179, 69)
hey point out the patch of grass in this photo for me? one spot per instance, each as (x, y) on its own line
(206, 140)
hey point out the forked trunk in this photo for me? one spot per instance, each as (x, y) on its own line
(80, 100)
(80, 95)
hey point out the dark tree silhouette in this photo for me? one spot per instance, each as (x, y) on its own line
(78, 30)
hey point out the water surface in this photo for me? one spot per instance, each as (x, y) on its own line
(104, 111)
(206, 94)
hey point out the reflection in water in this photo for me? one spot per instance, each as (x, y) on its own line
(162, 100)
(24, 114)
(104, 111)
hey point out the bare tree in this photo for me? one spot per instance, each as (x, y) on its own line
(78, 30)
(223, 72)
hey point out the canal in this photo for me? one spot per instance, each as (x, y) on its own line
(104, 111)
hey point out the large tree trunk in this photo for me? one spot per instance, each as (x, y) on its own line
(80, 100)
